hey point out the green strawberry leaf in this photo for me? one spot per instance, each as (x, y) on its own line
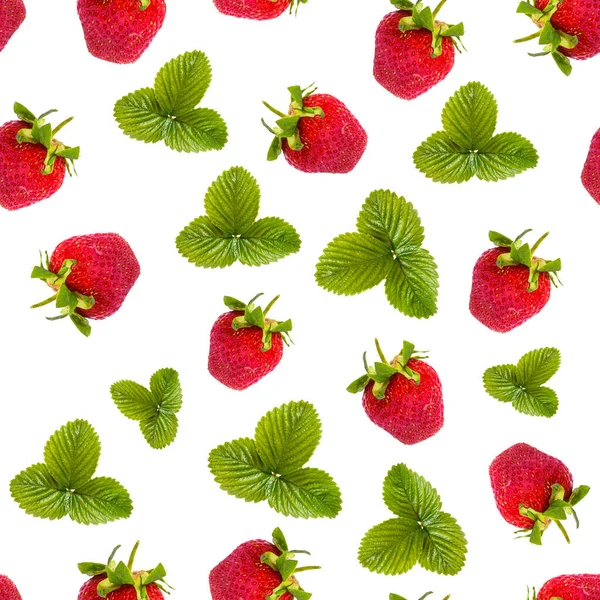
(386, 246)
(169, 112)
(156, 409)
(522, 384)
(64, 486)
(271, 466)
(467, 147)
(230, 232)
(422, 533)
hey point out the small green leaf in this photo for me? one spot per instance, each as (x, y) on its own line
(23, 113)
(287, 436)
(199, 130)
(139, 116)
(536, 367)
(160, 430)
(100, 500)
(445, 545)
(207, 246)
(396, 597)
(182, 82)
(504, 156)
(440, 159)
(133, 400)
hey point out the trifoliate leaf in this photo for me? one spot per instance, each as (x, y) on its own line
(156, 409)
(386, 246)
(467, 147)
(422, 533)
(522, 384)
(169, 111)
(271, 466)
(64, 486)
(230, 232)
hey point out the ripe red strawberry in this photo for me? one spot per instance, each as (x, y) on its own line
(567, 29)
(570, 587)
(510, 284)
(257, 570)
(119, 31)
(259, 10)
(533, 489)
(413, 51)
(32, 162)
(245, 345)
(403, 397)
(120, 581)
(91, 275)
(319, 135)
(8, 590)
(590, 176)
(12, 14)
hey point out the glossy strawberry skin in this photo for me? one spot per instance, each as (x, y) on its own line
(8, 590)
(21, 180)
(571, 587)
(409, 412)
(118, 31)
(235, 357)
(259, 10)
(524, 475)
(333, 143)
(12, 14)
(499, 296)
(242, 575)
(89, 591)
(403, 63)
(582, 19)
(106, 269)
(590, 176)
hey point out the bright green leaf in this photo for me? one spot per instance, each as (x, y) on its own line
(199, 130)
(445, 546)
(133, 400)
(139, 116)
(504, 156)
(537, 402)
(440, 159)
(161, 429)
(166, 389)
(536, 367)
(268, 240)
(101, 500)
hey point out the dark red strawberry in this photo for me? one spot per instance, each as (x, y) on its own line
(119, 31)
(8, 590)
(533, 489)
(257, 570)
(319, 135)
(32, 162)
(91, 274)
(510, 284)
(590, 176)
(567, 29)
(413, 51)
(12, 14)
(259, 10)
(118, 581)
(403, 397)
(245, 345)
(570, 587)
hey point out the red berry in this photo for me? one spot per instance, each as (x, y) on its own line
(8, 590)
(571, 587)
(260, 10)
(12, 14)
(89, 591)
(590, 177)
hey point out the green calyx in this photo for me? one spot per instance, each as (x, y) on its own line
(120, 574)
(69, 302)
(42, 133)
(294, 5)
(423, 17)
(522, 254)
(397, 597)
(557, 511)
(144, 4)
(549, 37)
(287, 125)
(287, 567)
(255, 316)
(382, 372)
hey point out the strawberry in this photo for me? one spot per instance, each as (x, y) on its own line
(567, 29)
(570, 587)
(510, 284)
(8, 590)
(119, 31)
(32, 162)
(12, 14)
(91, 275)
(245, 345)
(258, 569)
(413, 51)
(120, 581)
(259, 10)
(533, 489)
(319, 135)
(590, 176)
(403, 397)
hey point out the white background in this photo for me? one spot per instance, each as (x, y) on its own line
(51, 374)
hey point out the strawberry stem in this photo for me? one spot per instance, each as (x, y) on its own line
(528, 38)
(132, 556)
(61, 125)
(380, 352)
(270, 305)
(537, 244)
(437, 9)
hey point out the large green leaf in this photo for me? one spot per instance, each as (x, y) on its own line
(536, 367)
(445, 545)
(203, 244)
(133, 400)
(140, 117)
(268, 240)
(101, 500)
(199, 130)
(504, 156)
